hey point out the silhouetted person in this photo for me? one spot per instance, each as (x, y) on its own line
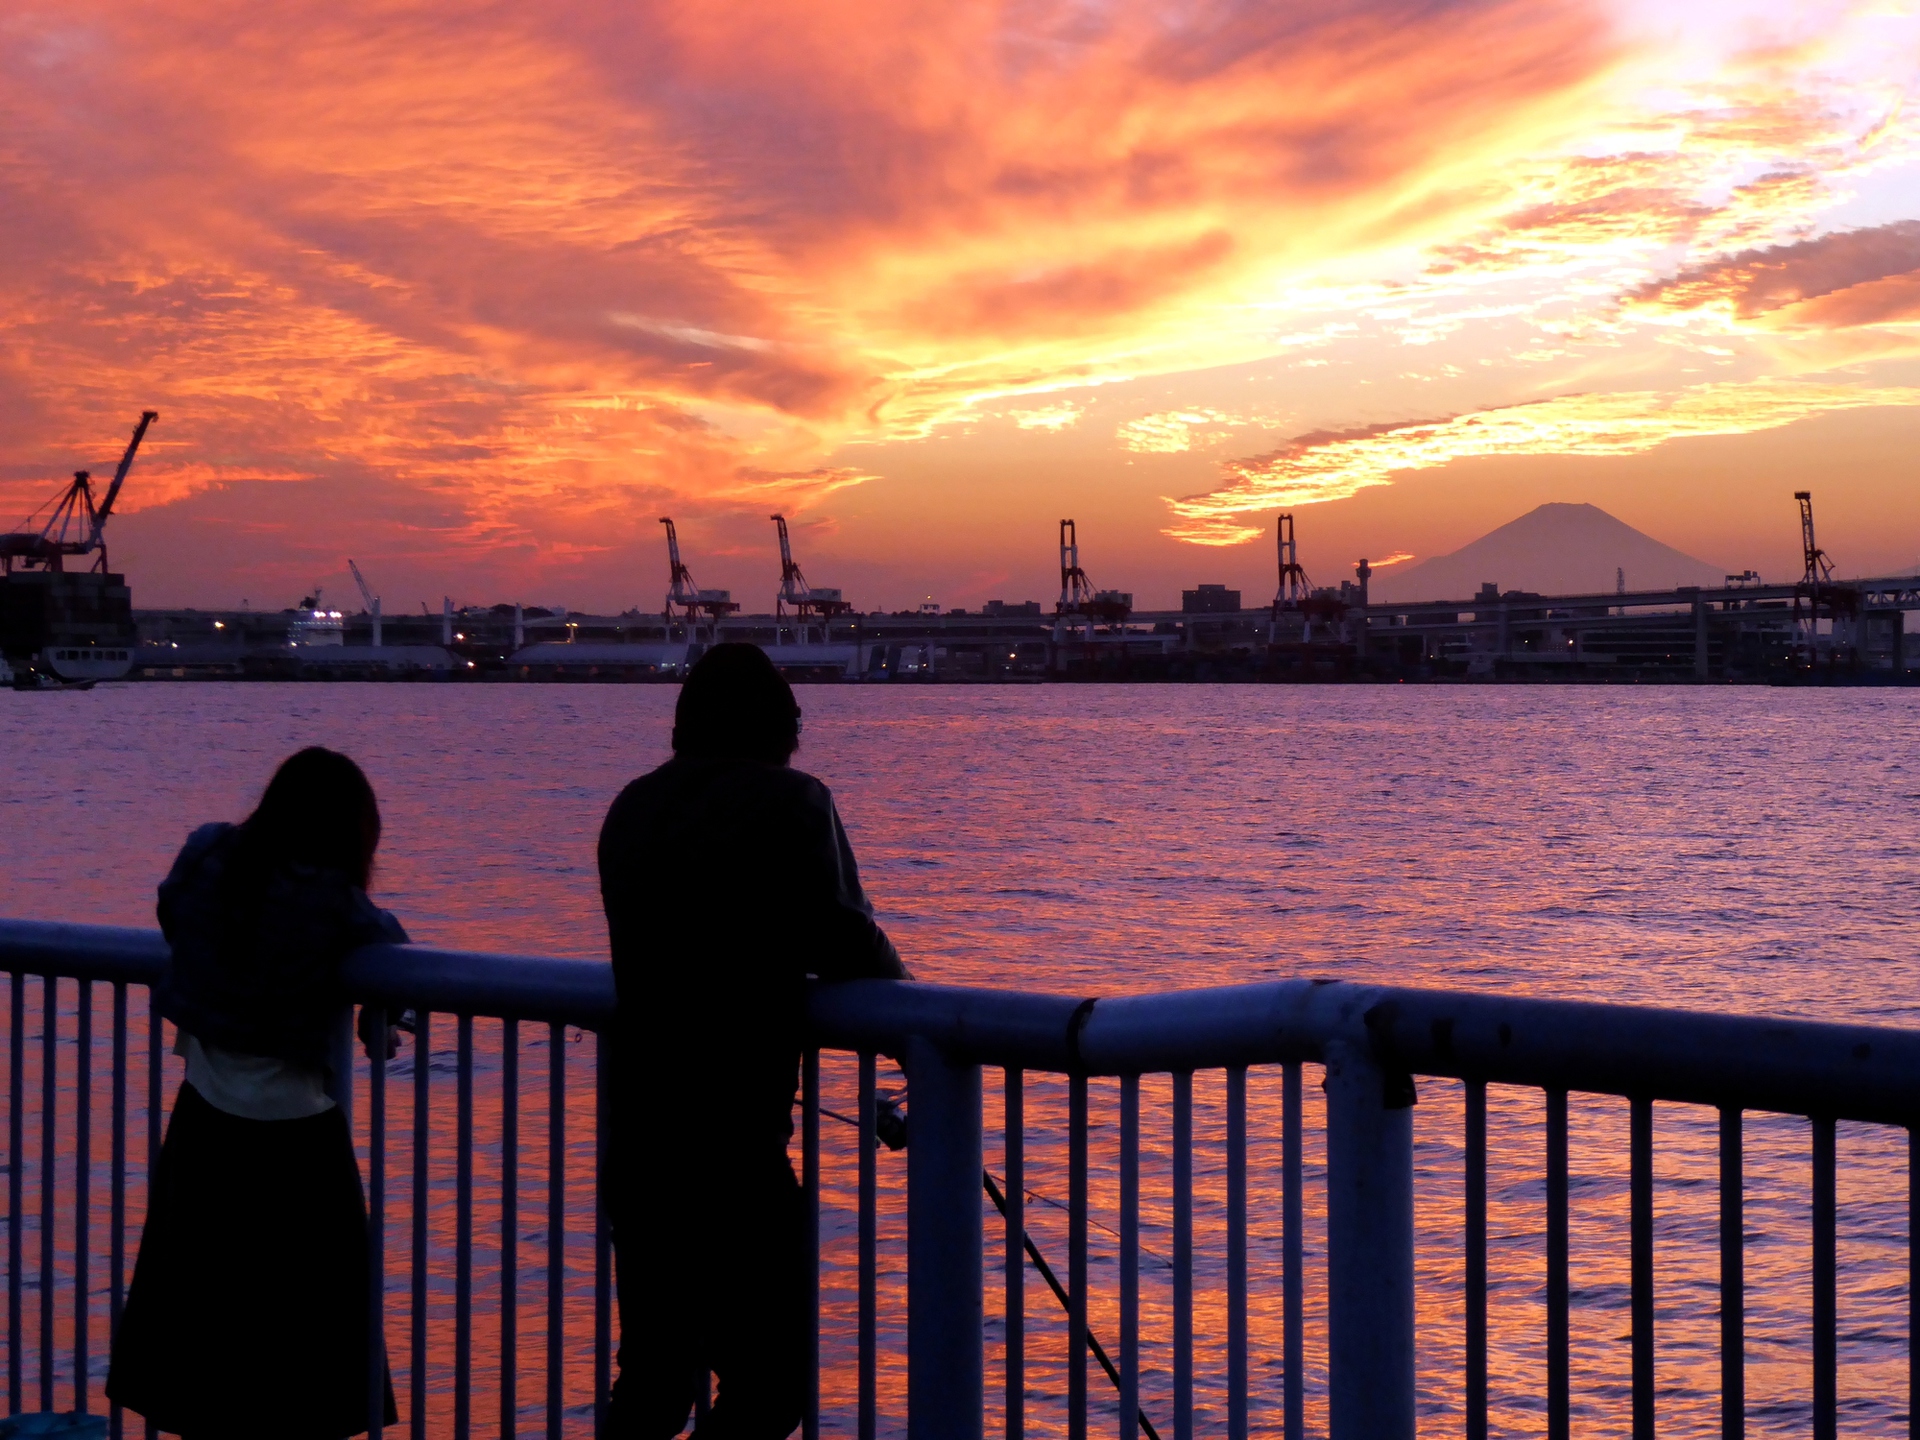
(728, 880)
(247, 1315)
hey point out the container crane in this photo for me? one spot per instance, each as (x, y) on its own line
(76, 526)
(1295, 588)
(372, 600)
(1819, 569)
(1077, 595)
(681, 589)
(806, 600)
(1816, 582)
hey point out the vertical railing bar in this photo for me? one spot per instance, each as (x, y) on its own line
(117, 1207)
(602, 1251)
(376, 1358)
(1913, 1283)
(1129, 1257)
(1559, 1383)
(1077, 1258)
(422, 1204)
(810, 1192)
(49, 1028)
(1733, 1280)
(156, 1076)
(1640, 1146)
(509, 1228)
(1183, 1255)
(1014, 1154)
(463, 1232)
(1476, 1258)
(1236, 1252)
(1825, 1310)
(16, 1187)
(556, 1225)
(869, 1250)
(1292, 1179)
(82, 1192)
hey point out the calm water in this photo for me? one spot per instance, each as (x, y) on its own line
(1727, 849)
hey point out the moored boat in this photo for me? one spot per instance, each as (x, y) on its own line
(64, 629)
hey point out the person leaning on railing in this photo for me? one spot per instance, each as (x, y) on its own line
(247, 1314)
(728, 881)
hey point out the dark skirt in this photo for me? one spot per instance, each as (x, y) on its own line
(247, 1315)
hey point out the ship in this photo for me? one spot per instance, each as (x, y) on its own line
(67, 628)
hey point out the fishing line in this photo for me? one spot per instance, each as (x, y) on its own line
(1031, 1194)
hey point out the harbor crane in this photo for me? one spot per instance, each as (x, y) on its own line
(1816, 583)
(807, 601)
(76, 526)
(1077, 595)
(683, 592)
(372, 600)
(1819, 569)
(1294, 585)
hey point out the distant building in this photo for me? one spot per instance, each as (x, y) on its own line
(1209, 600)
(1007, 607)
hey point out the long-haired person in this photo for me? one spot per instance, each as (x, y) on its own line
(728, 881)
(247, 1315)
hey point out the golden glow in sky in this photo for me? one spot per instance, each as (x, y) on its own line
(478, 293)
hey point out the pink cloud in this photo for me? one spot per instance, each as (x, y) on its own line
(1760, 281)
(1337, 465)
(516, 278)
(539, 258)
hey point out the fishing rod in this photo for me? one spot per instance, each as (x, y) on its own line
(890, 1129)
(1060, 1294)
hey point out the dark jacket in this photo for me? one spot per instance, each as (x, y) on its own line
(727, 884)
(256, 969)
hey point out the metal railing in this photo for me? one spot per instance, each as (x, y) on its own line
(1370, 1042)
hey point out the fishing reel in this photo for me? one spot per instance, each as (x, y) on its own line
(889, 1120)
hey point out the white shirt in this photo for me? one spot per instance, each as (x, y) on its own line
(254, 1087)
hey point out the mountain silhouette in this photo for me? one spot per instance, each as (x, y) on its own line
(1556, 549)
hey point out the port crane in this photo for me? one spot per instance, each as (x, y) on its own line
(806, 600)
(1819, 568)
(681, 589)
(76, 526)
(1294, 585)
(1077, 595)
(1816, 582)
(372, 600)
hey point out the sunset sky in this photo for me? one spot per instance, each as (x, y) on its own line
(474, 293)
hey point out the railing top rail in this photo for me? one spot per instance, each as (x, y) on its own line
(523, 987)
(1805, 1067)
(1799, 1067)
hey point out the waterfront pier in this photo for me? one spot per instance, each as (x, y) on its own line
(1857, 631)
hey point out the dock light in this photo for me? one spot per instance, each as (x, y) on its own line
(219, 624)
(459, 637)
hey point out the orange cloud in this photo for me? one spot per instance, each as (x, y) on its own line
(1893, 300)
(1877, 267)
(516, 278)
(1063, 416)
(540, 255)
(1169, 432)
(1333, 466)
